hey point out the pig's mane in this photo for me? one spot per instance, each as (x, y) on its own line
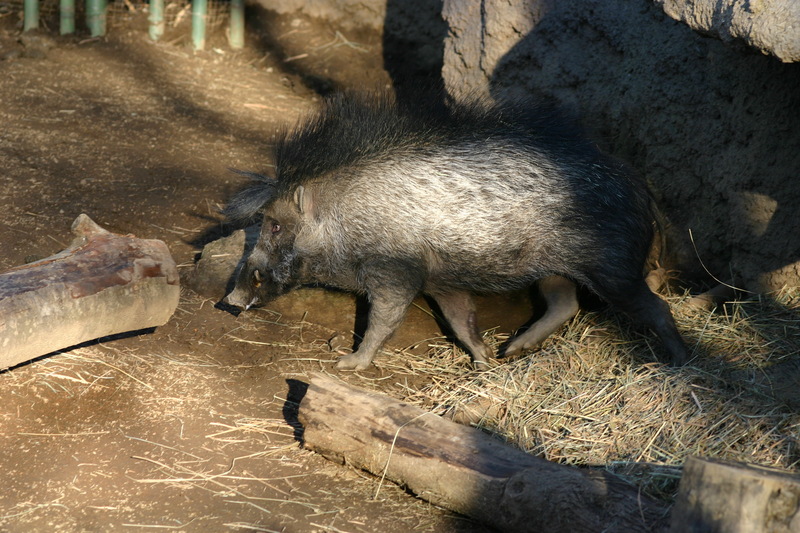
(247, 203)
(351, 130)
(356, 129)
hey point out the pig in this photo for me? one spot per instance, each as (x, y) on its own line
(472, 197)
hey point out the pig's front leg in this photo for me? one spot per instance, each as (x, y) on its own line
(388, 306)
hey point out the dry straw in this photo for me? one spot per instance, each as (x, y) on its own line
(595, 395)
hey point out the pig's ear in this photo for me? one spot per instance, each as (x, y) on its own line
(246, 204)
(304, 200)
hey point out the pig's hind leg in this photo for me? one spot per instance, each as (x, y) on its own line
(560, 294)
(644, 307)
(459, 311)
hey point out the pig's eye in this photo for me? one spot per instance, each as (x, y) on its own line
(276, 228)
(257, 278)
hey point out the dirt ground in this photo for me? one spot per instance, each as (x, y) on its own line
(180, 428)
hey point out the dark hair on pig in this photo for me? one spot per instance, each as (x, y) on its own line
(246, 204)
(354, 129)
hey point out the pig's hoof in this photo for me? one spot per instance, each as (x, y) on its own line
(353, 362)
(512, 350)
(481, 357)
(481, 366)
(679, 357)
(515, 348)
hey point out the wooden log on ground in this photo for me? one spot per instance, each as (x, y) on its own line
(102, 284)
(466, 470)
(724, 497)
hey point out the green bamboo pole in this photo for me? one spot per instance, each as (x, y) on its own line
(199, 10)
(156, 19)
(30, 15)
(67, 8)
(96, 17)
(237, 24)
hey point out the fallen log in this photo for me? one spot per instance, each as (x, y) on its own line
(101, 285)
(724, 497)
(466, 470)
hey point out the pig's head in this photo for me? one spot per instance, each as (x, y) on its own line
(273, 267)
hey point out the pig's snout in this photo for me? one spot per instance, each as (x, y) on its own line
(241, 299)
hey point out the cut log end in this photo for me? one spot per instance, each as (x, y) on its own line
(721, 496)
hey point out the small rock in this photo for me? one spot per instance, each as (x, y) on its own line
(213, 274)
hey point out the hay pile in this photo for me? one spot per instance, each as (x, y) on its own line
(594, 395)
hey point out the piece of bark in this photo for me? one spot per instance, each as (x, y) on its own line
(724, 497)
(101, 285)
(466, 470)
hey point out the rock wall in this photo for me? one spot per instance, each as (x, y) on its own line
(714, 129)
(772, 26)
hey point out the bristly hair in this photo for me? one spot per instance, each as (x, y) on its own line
(247, 203)
(352, 129)
(358, 128)
(348, 129)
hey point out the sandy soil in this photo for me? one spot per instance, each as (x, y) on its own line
(181, 428)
